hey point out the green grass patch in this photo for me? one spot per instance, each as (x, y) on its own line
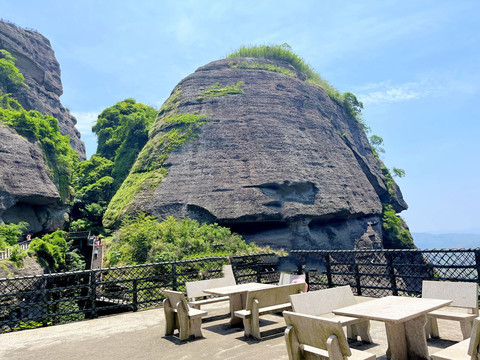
(219, 90)
(133, 184)
(254, 65)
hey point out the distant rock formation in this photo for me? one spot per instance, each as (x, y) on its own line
(36, 60)
(277, 161)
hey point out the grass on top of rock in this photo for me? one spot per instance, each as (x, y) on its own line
(219, 90)
(144, 239)
(284, 53)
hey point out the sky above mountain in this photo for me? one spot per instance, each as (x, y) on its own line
(414, 64)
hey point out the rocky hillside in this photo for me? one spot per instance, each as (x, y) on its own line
(36, 60)
(249, 144)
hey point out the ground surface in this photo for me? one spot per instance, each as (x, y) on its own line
(141, 336)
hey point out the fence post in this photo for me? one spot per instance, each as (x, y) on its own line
(174, 276)
(329, 271)
(93, 294)
(391, 273)
(477, 264)
(135, 295)
(357, 277)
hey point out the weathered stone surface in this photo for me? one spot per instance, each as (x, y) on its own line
(27, 193)
(280, 163)
(36, 61)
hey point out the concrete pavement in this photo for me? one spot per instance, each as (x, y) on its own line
(141, 336)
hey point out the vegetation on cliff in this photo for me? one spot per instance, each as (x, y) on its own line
(10, 77)
(170, 133)
(122, 131)
(144, 239)
(35, 126)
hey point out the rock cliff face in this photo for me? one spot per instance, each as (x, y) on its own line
(36, 61)
(27, 193)
(277, 161)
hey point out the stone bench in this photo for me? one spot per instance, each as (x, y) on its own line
(178, 315)
(266, 301)
(195, 289)
(464, 296)
(310, 337)
(323, 302)
(464, 350)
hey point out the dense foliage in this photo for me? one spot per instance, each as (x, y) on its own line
(10, 233)
(144, 239)
(55, 254)
(93, 185)
(122, 131)
(10, 77)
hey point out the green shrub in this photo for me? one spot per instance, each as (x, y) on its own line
(56, 254)
(11, 78)
(17, 255)
(395, 231)
(9, 233)
(145, 239)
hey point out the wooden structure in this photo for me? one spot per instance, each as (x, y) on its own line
(266, 301)
(323, 302)
(195, 289)
(463, 295)
(178, 315)
(313, 337)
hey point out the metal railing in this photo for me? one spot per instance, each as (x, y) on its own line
(44, 300)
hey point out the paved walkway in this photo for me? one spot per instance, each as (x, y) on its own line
(141, 336)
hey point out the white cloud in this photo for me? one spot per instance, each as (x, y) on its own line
(385, 92)
(85, 121)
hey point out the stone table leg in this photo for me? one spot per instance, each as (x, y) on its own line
(406, 341)
(416, 340)
(397, 342)
(237, 302)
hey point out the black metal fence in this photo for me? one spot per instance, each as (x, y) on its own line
(33, 301)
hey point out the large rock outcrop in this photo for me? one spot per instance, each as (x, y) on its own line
(36, 60)
(277, 160)
(27, 192)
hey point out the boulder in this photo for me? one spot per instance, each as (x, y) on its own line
(276, 160)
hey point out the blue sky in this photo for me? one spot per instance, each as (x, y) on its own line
(414, 64)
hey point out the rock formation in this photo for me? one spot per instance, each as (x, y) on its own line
(36, 61)
(275, 159)
(27, 192)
